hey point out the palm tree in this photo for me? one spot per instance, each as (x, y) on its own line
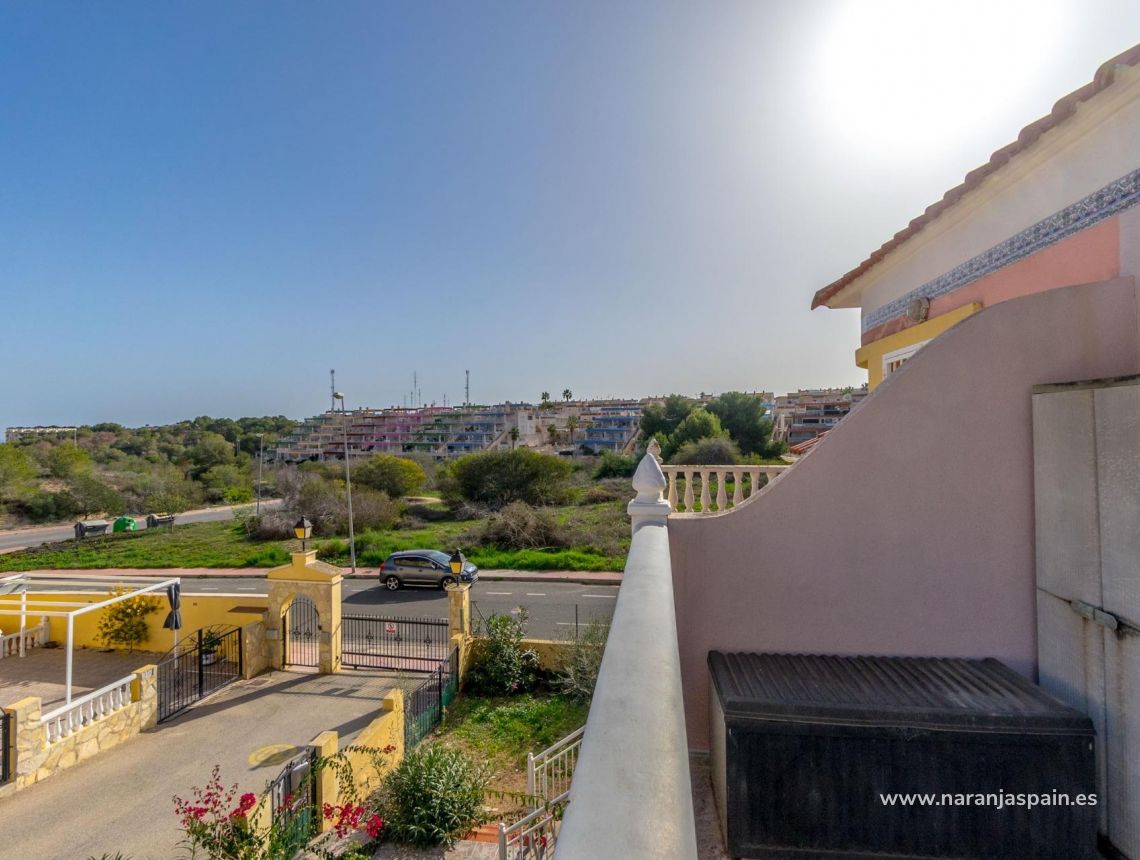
(567, 394)
(546, 398)
(571, 426)
(553, 431)
(514, 434)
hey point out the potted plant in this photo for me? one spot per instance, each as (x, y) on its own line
(211, 642)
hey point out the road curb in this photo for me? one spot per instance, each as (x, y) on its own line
(222, 574)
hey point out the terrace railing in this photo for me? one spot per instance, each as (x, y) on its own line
(96, 705)
(716, 488)
(532, 837)
(17, 644)
(631, 796)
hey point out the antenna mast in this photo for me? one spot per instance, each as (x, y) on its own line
(467, 389)
(332, 390)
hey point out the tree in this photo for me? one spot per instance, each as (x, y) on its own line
(211, 449)
(742, 416)
(514, 434)
(664, 417)
(698, 424)
(553, 431)
(567, 394)
(396, 476)
(93, 496)
(16, 470)
(124, 623)
(571, 426)
(546, 398)
(227, 483)
(65, 461)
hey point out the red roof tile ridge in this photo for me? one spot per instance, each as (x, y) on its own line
(1062, 110)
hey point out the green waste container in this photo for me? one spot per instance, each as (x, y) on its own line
(123, 524)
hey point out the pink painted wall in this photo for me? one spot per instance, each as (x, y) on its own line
(1088, 256)
(909, 529)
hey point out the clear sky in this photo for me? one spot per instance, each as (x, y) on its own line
(204, 206)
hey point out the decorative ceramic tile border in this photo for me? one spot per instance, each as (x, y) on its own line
(1108, 201)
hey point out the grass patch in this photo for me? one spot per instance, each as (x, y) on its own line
(601, 541)
(500, 731)
(220, 544)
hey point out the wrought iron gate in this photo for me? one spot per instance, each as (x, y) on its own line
(203, 662)
(301, 633)
(293, 802)
(411, 644)
(423, 707)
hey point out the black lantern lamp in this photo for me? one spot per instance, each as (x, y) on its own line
(303, 530)
(456, 563)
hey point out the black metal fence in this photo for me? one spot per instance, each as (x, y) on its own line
(203, 662)
(411, 644)
(301, 632)
(293, 803)
(5, 746)
(423, 707)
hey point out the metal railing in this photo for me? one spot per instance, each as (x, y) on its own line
(423, 707)
(203, 662)
(293, 801)
(410, 644)
(533, 837)
(94, 706)
(550, 771)
(17, 644)
(5, 746)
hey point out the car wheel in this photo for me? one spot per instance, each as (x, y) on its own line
(447, 582)
(392, 583)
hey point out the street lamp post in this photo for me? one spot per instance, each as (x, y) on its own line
(260, 460)
(347, 482)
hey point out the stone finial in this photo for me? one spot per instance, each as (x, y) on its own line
(649, 506)
(654, 448)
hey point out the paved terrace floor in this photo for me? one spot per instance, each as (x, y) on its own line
(43, 671)
(121, 800)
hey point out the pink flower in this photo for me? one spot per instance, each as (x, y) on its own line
(374, 825)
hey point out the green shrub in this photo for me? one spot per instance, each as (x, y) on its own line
(267, 556)
(432, 797)
(497, 478)
(608, 490)
(579, 674)
(718, 451)
(330, 549)
(44, 507)
(123, 624)
(500, 665)
(396, 476)
(615, 465)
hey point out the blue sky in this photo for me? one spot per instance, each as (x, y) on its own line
(205, 206)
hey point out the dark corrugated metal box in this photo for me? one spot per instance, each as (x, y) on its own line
(804, 749)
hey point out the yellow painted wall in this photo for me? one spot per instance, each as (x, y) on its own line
(198, 610)
(870, 357)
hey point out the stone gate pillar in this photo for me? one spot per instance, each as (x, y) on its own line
(319, 582)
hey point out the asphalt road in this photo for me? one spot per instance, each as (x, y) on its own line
(20, 538)
(550, 606)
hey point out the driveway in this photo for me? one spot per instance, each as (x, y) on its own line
(121, 800)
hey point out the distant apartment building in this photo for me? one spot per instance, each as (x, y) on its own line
(808, 413)
(442, 432)
(11, 434)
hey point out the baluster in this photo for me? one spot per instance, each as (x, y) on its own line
(705, 501)
(721, 492)
(689, 490)
(672, 478)
(754, 473)
(737, 487)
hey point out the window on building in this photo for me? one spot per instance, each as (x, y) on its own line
(892, 361)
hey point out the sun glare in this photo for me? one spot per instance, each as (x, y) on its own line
(902, 79)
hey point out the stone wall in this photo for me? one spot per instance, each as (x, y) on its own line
(256, 653)
(35, 759)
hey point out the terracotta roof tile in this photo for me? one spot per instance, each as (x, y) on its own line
(1062, 110)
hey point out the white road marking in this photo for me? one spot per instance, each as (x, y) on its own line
(536, 594)
(605, 596)
(503, 593)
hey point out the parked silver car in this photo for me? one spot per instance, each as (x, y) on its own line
(423, 567)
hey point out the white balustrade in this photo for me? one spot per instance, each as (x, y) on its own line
(533, 837)
(720, 477)
(549, 772)
(96, 705)
(32, 636)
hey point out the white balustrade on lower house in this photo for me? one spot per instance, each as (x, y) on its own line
(96, 705)
(549, 772)
(532, 837)
(700, 482)
(17, 644)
